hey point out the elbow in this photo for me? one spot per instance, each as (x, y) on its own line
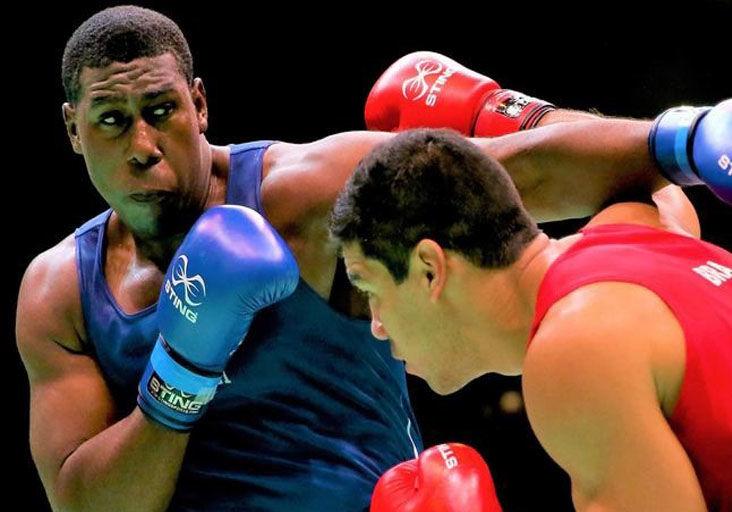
(65, 490)
(63, 496)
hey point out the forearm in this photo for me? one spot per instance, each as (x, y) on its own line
(573, 169)
(562, 115)
(132, 465)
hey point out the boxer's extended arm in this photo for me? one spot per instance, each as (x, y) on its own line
(570, 170)
(595, 387)
(87, 456)
(562, 171)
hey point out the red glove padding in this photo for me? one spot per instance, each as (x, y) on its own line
(426, 89)
(445, 478)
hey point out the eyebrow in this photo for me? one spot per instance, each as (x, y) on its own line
(112, 98)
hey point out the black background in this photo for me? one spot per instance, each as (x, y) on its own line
(301, 73)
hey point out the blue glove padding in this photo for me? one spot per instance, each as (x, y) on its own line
(694, 146)
(231, 264)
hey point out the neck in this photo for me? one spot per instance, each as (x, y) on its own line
(501, 307)
(215, 158)
(160, 249)
(529, 272)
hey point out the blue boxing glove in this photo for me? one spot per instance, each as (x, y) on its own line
(231, 264)
(694, 146)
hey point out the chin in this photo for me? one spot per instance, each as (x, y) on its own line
(152, 228)
(446, 386)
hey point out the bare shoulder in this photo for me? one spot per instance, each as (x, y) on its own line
(600, 378)
(50, 338)
(301, 181)
(605, 322)
(671, 210)
(575, 324)
(49, 304)
(608, 342)
(300, 185)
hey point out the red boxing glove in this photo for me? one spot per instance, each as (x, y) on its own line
(426, 89)
(445, 478)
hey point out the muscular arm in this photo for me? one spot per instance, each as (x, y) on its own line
(88, 458)
(595, 387)
(300, 186)
(562, 170)
(574, 169)
(565, 115)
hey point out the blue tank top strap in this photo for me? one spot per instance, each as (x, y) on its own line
(120, 342)
(99, 220)
(245, 174)
(88, 238)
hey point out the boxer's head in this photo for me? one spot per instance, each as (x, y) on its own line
(419, 213)
(137, 115)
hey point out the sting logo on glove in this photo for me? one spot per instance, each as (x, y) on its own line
(192, 288)
(416, 87)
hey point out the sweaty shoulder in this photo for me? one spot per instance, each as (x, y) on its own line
(301, 181)
(600, 379)
(300, 185)
(614, 325)
(49, 304)
(671, 211)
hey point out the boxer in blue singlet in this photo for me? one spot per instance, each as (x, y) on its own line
(307, 415)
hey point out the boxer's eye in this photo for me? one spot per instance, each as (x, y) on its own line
(159, 112)
(111, 119)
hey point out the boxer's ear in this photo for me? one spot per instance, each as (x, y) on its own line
(428, 266)
(68, 112)
(198, 95)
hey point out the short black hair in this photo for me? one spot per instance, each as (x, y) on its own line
(122, 34)
(432, 184)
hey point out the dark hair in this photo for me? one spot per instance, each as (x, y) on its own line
(122, 34)
(432, 184)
